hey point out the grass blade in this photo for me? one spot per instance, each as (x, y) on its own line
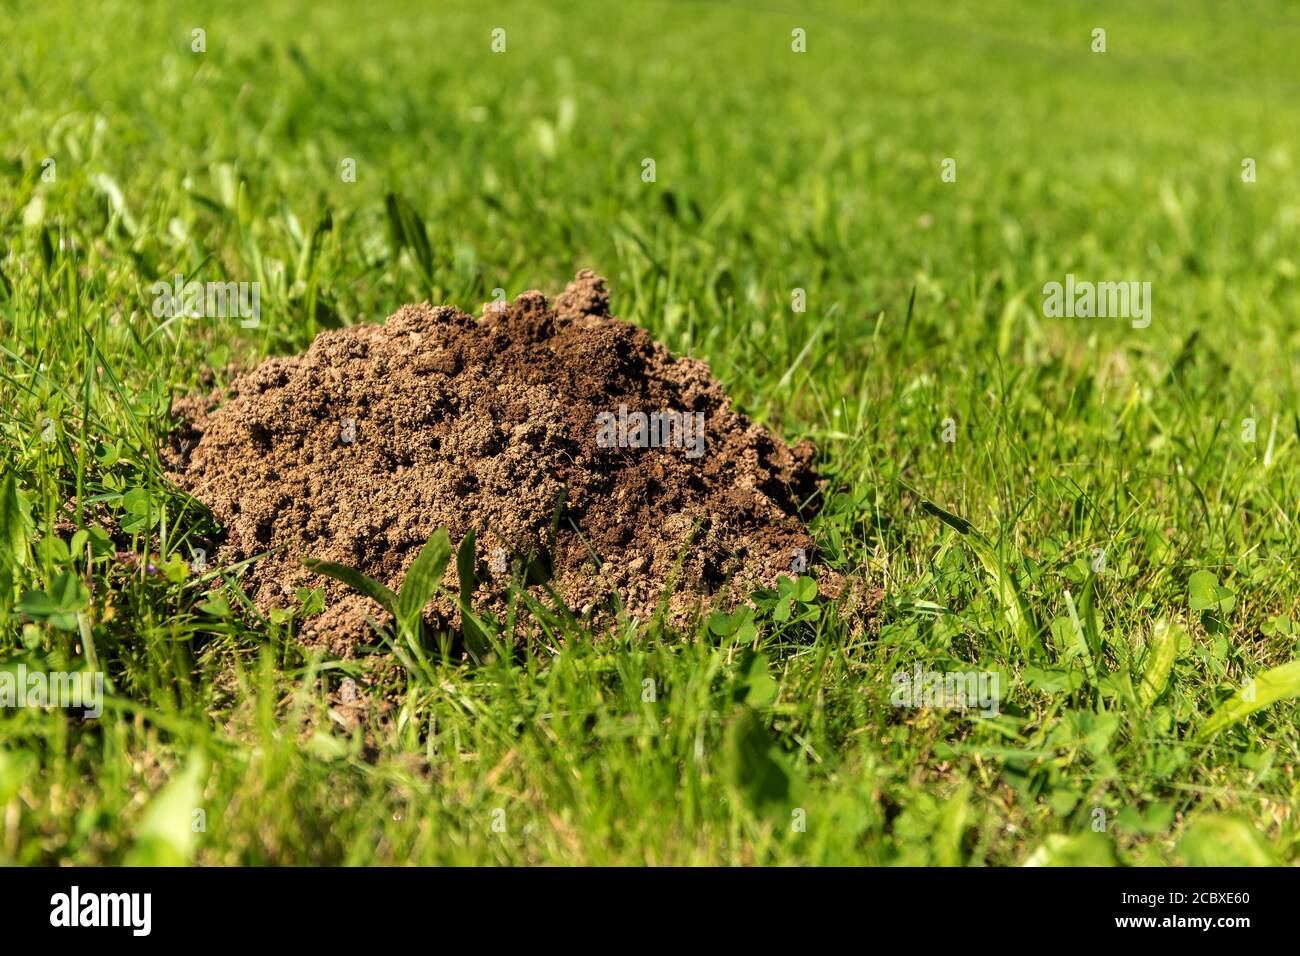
(422, 580)
(355, 580)
(1008, 592)
(1079, 642)
(1165, 640)
(1273, 685)
(476, 639)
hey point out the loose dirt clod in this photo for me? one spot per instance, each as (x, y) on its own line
(358, 449)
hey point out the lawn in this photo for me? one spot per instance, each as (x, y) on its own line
(1097, 516)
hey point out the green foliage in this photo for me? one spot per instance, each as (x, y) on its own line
(421, 581)
(379, 593)
(756, 770)
(67, 596)
(1264, 690)
(1224, 840)
(1005, 587)
(1083, 849)
(169, 831)
(1166, 642)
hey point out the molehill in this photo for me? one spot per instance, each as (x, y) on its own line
(524, 425)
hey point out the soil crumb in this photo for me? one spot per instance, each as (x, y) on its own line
(524, 425)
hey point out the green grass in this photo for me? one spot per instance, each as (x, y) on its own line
(775, 171)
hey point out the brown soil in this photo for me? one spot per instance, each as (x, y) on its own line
(489, 424)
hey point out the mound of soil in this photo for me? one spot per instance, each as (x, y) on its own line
(513, 424)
